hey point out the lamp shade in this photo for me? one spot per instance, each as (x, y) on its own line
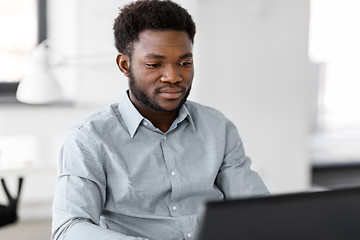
(39, 86)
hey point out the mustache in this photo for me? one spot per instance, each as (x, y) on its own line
(162, 88)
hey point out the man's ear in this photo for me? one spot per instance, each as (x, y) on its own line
(123, 63)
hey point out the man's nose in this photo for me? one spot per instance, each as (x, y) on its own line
(171, 74)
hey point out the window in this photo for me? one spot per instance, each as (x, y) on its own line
(22, 26)
(334, 43)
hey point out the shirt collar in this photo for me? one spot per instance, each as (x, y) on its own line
(133, 118)
(189, 117)
(185, 114)
(130, 114)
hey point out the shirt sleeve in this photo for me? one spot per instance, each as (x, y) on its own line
(236, 179)
(80, 191)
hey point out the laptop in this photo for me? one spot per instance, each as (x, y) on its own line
(325, 215)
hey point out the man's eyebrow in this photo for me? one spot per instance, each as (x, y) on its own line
(186, 55)
(151, 55)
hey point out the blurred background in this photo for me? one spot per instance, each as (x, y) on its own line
(286, 72)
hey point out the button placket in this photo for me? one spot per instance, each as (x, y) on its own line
(170, 163)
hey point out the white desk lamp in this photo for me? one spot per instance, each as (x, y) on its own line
(39, 86)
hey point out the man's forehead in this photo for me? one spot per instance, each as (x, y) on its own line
(154, 43)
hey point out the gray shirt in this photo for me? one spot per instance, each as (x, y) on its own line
(119, 177)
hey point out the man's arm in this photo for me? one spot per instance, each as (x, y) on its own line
(81, 191)
(236, 179)
(76, 212)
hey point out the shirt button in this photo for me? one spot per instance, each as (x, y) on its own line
(173, 173)
(174, 208)
(189, 235)
(145, 123)
(164, 138)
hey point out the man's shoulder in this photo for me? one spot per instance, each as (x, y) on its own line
(209, 120)
(99, 119)
(199, 110)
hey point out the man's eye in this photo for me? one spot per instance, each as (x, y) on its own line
(152, 65)
(186, 64)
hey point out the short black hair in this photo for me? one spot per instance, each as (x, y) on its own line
(149, 15)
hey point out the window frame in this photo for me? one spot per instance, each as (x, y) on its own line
(8, 89)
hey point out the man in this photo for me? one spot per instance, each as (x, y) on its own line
(143, 168)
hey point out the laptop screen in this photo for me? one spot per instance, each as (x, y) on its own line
(330, 215)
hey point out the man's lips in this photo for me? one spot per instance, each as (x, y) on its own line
(171, 93)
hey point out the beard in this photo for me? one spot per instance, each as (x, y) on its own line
(145, 99)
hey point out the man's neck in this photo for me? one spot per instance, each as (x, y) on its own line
(160, 119)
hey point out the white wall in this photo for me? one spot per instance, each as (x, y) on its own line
(83, 49)
(253, 65)
(250, 62)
